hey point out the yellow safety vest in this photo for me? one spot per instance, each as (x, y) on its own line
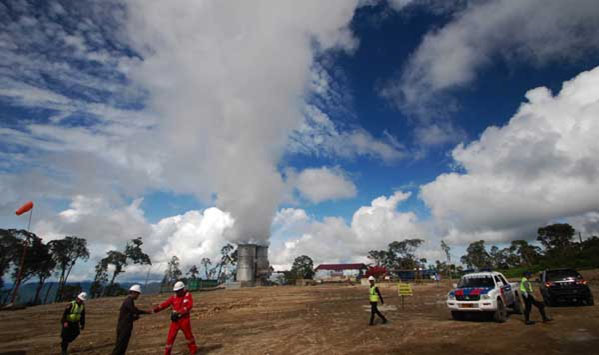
(374, 297)
(76, 310)
(525, 285)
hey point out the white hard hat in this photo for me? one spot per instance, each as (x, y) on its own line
(135, 288)
(82, 296)
(179, 285)
(371, 278)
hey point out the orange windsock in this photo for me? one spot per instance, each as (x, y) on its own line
(25, 208)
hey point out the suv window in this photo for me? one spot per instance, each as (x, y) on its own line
(561, 275)
(502, 279)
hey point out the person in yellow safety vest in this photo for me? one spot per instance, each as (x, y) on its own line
(375, 296)
(529, 300)
(72, 317)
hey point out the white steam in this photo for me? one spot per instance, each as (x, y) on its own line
(227, 80)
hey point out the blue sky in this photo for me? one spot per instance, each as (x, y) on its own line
(323, 129)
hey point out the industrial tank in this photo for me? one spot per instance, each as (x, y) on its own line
(262, 265)
(246, 262)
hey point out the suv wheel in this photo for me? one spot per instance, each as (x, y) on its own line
(590, 301)
(500, 314)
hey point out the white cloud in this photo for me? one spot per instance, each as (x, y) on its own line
(540, 167)
(587, 224)
(484, 32)
(190, 236)
(334, 240)
(399, 4)
(322, 184)
(319, 135)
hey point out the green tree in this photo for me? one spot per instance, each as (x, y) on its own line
(379, 257)
(172, 272)
(476, 256)
(9, 252)
(100, 279)
(225, 259)
(193, 272)
(44, 266)
(118, 260)
(135, 254)
(303, 267)
(556, 237)
(66, 252)
(446, 249)
(401, 255)
(525, 253)
(205, 262)
(32, 258)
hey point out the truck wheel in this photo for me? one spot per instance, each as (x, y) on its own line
(517, 306)
(456, 315)
(500, 314)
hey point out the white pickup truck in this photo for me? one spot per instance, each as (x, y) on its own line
(484, 292)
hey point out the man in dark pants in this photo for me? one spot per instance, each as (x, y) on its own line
(128, 314)
(375, 296)
(529, 300)
(72, 317)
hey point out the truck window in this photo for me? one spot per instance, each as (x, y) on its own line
(478, 281)
(498, 281)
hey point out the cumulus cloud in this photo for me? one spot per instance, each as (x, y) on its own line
(535, 31)
(321, 184)
(332, 239)
(190, 236)
(540, 167)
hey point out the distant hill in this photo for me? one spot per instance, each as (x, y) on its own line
(27, 291)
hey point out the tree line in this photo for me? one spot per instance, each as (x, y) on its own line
(58, 257)
(41, 260)
(559, 248)
(218, 271)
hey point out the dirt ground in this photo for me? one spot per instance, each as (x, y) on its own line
(324, 319)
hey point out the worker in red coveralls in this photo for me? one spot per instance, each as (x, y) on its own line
(181, 304)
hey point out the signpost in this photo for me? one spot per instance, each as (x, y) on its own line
(404, 289)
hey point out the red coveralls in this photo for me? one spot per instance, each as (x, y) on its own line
(181, 305)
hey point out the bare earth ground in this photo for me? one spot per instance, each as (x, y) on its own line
(326, 319)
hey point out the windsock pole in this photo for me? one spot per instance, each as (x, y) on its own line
(22, 264)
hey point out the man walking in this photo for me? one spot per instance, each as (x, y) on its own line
(375, 296)
(72, 317)
(181, 304)
(127, 315)
(529, 300)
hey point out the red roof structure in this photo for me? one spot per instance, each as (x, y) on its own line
(341, 267)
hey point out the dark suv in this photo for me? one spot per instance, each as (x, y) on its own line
(564, 285)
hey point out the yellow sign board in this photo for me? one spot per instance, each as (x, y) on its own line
(404, 289)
